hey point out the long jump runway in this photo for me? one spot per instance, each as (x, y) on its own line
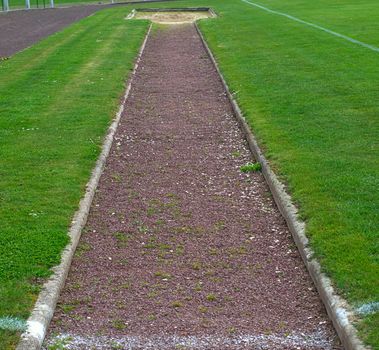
(182, 250)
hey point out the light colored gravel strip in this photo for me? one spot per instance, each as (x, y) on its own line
(12, 324)
(40, 318)
(339, 311)
(253, 341)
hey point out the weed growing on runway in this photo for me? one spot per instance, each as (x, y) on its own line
(251, 167)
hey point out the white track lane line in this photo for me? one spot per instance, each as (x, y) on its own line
(347, 38)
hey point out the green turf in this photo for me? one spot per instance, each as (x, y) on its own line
(311, 99)
(56, 101)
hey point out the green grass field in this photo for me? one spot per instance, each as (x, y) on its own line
(56, 102)
(311, 98)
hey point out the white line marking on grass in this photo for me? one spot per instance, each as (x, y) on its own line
(354, 41)
(12, 323)
(368, 309)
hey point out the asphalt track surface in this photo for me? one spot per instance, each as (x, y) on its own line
(21, 29)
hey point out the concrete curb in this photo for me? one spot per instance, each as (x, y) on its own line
(338, 309)
(43, 311)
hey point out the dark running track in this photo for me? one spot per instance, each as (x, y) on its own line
(21, 29)
(182, 250)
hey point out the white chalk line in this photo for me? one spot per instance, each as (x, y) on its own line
(368, 309)
(310, 24)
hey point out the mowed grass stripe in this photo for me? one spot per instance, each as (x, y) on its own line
(326, 30)
(47, 46)
(47, 63)
(44, 104)
(53, 119)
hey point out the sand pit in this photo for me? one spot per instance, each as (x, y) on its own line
(172, 16)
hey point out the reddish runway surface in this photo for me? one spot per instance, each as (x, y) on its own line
(182, 250)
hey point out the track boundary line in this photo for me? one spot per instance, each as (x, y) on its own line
(338, 309)
(39, 320)
(310, 24)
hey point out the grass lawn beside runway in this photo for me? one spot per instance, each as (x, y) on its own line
(357, 19)
(311, 98)
(56, 101)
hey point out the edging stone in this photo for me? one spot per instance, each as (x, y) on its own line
(338, 309)
(39, 320)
